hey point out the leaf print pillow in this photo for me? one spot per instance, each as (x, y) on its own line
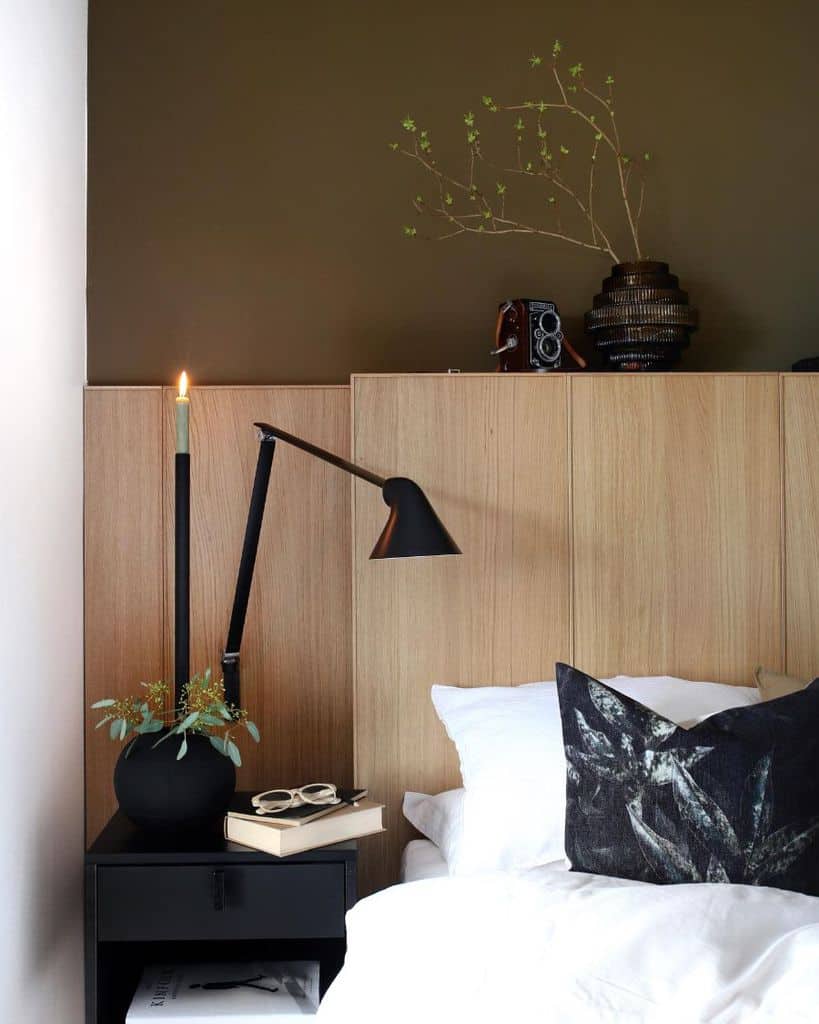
(734, 798)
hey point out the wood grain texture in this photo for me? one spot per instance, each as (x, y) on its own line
(123, 567)
(296, 666)
(491, 453)
(677, 525)
(800, 397)
(296, 655)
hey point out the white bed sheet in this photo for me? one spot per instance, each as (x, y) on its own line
(563, 947)
(422, 859)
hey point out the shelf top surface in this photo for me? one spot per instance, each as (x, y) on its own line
(120, 842)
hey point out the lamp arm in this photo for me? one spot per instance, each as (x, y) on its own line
(271, 433)
(268, 435)
(247, 563)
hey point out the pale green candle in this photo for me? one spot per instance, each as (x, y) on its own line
(183, 407)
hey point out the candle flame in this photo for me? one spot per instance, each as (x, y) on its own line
(183, 385)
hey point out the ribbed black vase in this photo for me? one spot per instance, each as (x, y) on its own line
(641, 320)
(160, 794)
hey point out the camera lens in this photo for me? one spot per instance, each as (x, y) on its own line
(549, 322)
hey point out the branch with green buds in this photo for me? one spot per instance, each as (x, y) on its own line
(463, 206)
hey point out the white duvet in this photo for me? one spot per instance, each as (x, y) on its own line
(551, 945)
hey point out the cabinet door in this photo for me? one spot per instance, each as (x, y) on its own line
(677, 535)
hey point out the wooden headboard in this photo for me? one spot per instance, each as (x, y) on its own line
(643, 524)
(627, 523)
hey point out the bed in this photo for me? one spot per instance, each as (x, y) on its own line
(553, 945)
(474, 933)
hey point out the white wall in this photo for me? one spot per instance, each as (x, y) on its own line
(42, 369)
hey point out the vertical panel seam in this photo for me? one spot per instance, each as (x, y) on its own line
(783, 531)
(353, 583)
(569, 398)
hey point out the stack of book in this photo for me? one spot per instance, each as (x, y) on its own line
(305, 827)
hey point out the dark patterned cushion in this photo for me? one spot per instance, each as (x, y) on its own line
(732, 799)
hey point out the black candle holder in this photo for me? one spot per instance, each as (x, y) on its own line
(182, 575)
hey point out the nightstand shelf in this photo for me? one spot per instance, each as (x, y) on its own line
(149, 900)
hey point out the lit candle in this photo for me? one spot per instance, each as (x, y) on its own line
(183, 406)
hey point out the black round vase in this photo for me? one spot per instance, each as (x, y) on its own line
(160, 794)
(641, 320)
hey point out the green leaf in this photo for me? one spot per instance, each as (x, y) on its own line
(564, 150)
(576, 70)
(558, 46)
(393, 146)
(234, 755)
(535, 61)
(183, 748)
(472, 135)
(408, 124)
(501, 188)
(253, 729)
(189, 721)
(103, 721)
(469, 119)
(425, 145)
(487, 214)
(116, 724)
(519, 125)
(223, 711)
(487, 101)
(552, 199)
(108, 703)
(646, 157)
(208, 719)
(409, 232)
(598, 137)
(217, 744)
(448, 200)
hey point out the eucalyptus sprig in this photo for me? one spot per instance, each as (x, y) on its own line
(464, 204)
(203, 711)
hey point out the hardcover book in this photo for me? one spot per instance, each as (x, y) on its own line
(244, 993)
(241, 807)
(345, 822)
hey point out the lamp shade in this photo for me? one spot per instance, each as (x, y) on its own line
(413, 528)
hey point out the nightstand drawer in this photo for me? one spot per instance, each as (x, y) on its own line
(220, 901)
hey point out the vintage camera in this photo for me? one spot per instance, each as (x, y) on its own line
(529, 336)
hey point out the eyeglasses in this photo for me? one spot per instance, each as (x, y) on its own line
(272, 801)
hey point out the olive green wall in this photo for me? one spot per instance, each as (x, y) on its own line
(245, 211)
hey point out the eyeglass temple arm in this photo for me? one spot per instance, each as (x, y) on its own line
(268, 435)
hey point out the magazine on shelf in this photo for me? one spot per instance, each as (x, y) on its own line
(245, 993)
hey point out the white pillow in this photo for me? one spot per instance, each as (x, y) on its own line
(510, 745)
(439, 818)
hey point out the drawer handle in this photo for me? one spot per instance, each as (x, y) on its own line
(218, 890)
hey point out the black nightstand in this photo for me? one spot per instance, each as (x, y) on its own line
(149, 901)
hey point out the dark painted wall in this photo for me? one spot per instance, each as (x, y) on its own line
(245, 211)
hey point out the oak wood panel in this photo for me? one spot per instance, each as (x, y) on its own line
(491, 452)
(296, 666)
(123, 566)
(677, 525)
(800, 395)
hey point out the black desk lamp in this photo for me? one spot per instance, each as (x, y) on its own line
(412, 529)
